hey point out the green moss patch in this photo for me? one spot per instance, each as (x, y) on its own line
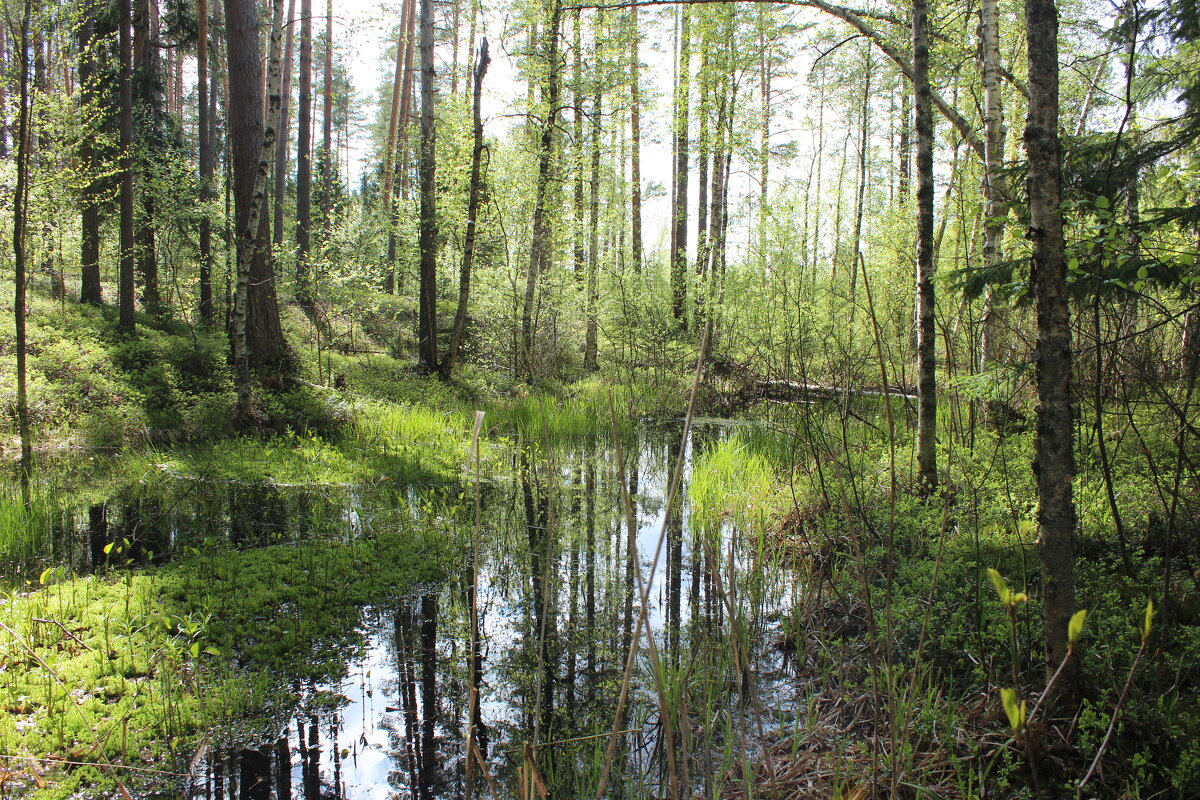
(124, 670)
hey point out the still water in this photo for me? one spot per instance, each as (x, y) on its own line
(558, 601)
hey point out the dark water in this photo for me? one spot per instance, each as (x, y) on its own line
(558, 604)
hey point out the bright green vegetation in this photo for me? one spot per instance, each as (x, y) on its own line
(932, 314)
(129, 667)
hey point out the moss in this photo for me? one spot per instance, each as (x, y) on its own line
(128, 667)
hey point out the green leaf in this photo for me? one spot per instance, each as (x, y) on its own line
(1075, 627)
(213, 651)
(1146, 624)
(1013, 710)
(1143, 272)
(1101, 202)
(47, 576)
(108, 548)
(1001, 585)
(1073, 265)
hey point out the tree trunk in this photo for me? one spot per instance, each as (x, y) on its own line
(304, 158)
(764, 153)
(145, 54)
(257, 335)
(125, 285)
(406, 97)
(1054, 463)
(703, 155)
(204, 123)
(90, 291)
(679, 199)
(540, 246)
(995, 207)
(635, 133)
(905, 166)
(927, 475)
(326, 160)
(590, 334)
(20, 220)
(427, 234)
(3, 102)
(579, 260)
(389, 156)
(864, 123)
(464, 275)
(281, 147)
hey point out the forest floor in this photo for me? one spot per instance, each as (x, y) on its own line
(898, 635)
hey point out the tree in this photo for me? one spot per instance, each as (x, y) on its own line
(993, 157)
(304, 158)
(89, 255)
(126, 285)
(926, 330)
(593, 265)
(281, 147)
(326, 160)
(635, 136)
(427, 231)
(473, 192)
(205, 166)
(1054, 460)
(679, 178)
(539, 242)
(389, 156)
(20, 221)
(258, 343)
(148, 79)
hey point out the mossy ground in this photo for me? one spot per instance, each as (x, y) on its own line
(124, 669)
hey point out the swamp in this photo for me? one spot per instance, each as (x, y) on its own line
(653, 400)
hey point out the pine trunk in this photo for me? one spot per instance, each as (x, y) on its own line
(427, 234)
(304, 159)
(258, 343)
(281, 144)
(326, 161)
(204, 123)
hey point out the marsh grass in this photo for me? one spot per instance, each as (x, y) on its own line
(26, 529)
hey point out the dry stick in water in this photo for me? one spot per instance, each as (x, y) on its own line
(643, 584)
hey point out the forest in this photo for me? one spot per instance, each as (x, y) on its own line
(662, 399)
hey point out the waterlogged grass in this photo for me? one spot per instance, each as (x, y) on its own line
(25, 526)
(121, 671)
(732, 480)
(382, 443)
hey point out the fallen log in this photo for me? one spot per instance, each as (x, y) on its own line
(747, 387)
